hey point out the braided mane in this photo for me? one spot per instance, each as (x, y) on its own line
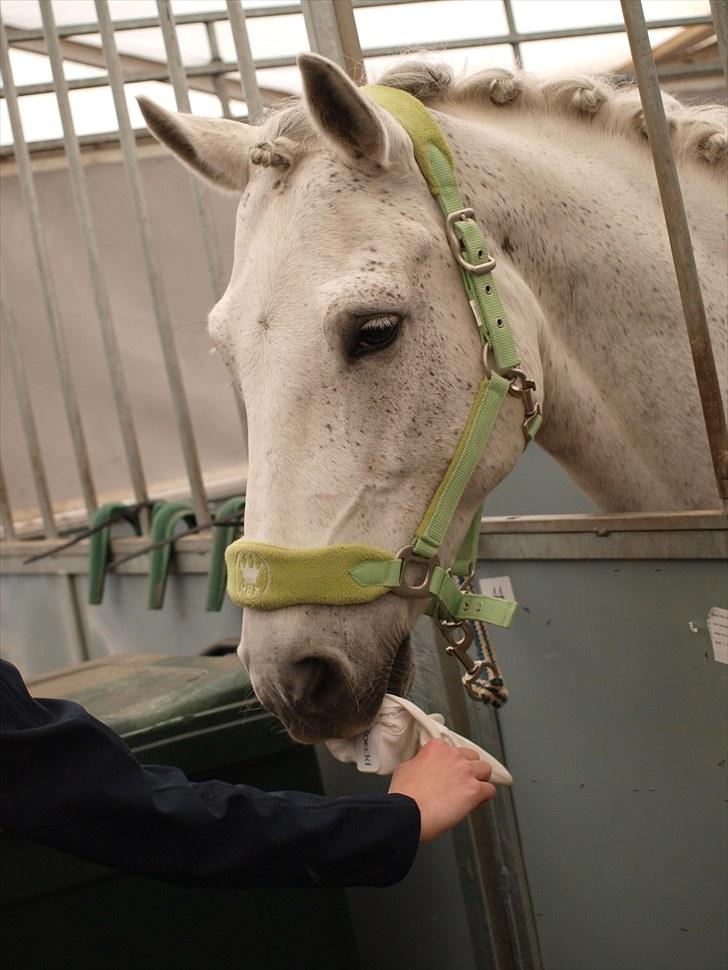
(699, 132)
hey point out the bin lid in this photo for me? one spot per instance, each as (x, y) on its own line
(133, 692)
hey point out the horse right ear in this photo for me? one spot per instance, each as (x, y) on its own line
(214, 148)
(348, 120)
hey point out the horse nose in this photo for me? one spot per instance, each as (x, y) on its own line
(314, 694)
(311, 684)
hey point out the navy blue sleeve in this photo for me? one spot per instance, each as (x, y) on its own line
(70, 782)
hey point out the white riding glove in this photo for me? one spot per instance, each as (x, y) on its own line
(399, 730)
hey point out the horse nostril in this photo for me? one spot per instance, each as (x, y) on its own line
(309, 680)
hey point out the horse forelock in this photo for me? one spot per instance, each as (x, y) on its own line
(699, 132)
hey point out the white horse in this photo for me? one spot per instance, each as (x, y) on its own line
(347, 327)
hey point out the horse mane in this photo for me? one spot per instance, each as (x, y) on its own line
(699, 132)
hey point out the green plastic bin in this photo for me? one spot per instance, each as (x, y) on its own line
(198, 713)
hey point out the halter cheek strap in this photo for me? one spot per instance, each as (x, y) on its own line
(268, 577)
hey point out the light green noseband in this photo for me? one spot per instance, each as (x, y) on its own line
(267, 577)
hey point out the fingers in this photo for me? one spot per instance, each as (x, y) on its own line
(469, 754)
(482, 770)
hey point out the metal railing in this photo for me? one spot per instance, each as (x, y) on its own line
(331, 29)
(330, 26)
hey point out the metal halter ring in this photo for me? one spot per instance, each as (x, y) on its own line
(518, 378)
(408, 589)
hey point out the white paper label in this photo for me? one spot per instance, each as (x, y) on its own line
(498, 586)
(718, 630)
(367, 751)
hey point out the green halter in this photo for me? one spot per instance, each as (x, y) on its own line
(267, 577)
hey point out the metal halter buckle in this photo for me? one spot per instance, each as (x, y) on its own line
(456, 244)
(410, 590)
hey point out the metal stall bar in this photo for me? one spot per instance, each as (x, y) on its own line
(178, 78)
(67, 587)
(331, 30)
(46, 282)
(218, 81)
(719, 10)
(156, 286)
(101, 297)
(680, 241)
(246, 65)
(201, 195)
(525, 37)
(201, 76)
(30, 430)
(515, 46)
(6, 513)
(21, 34)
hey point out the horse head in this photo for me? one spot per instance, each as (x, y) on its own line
(347, 328)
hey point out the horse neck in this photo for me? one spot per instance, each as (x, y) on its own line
(602, 326)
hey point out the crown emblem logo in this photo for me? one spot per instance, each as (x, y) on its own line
(253, 573)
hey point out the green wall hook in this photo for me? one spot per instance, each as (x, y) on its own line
(100, 544)
(164, 520)
(223, 535)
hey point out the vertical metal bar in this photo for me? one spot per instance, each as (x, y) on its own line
(719, 10)
(30, 201)
(73, 616)
(680, 241)
(331, 30)
(101, 297)
(498, 942)
(512, 29)
(25, 407)
(218, 82)
(156, 285)
(246, 66)
(6, 513)
(201, 195)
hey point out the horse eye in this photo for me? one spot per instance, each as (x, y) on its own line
(375, 333)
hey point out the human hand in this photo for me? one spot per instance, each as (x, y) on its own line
(447, 783)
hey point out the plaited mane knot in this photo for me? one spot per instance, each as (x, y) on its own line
(504, 89)
(276, 154)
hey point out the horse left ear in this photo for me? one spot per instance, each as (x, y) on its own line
(214, 148)
(341, 113)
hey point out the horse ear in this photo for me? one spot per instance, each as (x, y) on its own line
(341, 113)
(214, 148)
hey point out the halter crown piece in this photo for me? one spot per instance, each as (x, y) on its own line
(265, 577)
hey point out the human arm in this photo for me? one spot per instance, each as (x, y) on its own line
(70, 782)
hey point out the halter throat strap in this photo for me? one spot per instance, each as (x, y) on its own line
(267, 577)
